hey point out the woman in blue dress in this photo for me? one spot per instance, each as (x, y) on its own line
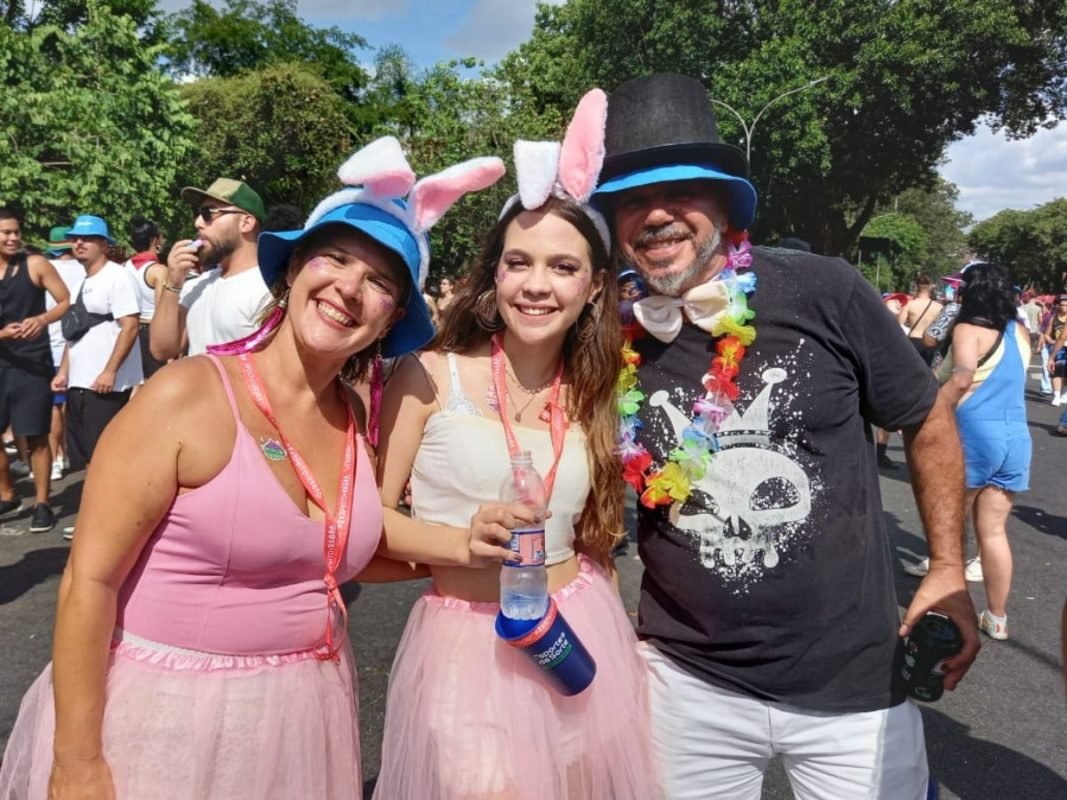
(985, 378)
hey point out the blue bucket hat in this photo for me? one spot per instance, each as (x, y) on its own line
(412, 331)
(378, 209)
(662, 128)
(88, 225)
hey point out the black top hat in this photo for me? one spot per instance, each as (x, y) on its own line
(664, 119)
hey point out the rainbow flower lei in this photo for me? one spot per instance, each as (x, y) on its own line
(689, 462)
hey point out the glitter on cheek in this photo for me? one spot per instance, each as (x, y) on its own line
(317, 264)
(386, 304)
(502, 274)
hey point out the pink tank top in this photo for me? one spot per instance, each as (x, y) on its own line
(234, 567)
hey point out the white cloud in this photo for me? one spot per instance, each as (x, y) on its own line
(993, 173)
(492, 28)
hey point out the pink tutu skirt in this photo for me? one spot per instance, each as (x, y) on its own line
(183, 724)
(471, 718)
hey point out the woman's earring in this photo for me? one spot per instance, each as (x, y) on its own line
(486, 312)
(283, 301)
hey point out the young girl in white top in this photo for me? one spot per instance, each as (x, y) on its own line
(468, 716)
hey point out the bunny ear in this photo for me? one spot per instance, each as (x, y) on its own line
(379, 167)
(536, 167)
(435, 194)
(582, 154)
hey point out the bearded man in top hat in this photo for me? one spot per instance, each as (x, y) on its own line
(768, 613)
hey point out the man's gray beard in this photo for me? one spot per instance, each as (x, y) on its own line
(672, 285)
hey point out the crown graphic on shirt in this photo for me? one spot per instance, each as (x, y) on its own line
(753, 427)
(750, 429)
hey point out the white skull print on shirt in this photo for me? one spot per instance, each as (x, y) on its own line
(745, 513)
(775, 577)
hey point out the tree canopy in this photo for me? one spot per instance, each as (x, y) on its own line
(904, 78)
(246, 35)
(90, 124)
(281, 128)
(1033, 244)
(846, 105)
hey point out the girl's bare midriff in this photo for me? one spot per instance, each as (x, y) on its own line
(484, 585)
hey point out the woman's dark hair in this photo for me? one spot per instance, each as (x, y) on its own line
(987, 294)
(142, 232)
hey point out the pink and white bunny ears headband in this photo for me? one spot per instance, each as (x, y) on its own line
(568, 170)
(386, 203)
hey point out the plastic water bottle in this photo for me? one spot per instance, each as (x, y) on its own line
(524, 583)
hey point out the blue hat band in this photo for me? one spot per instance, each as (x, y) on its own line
(742, 193)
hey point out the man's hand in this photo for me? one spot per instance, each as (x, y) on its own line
(59, 382)
(944, 589)
(104, 382)
(181, 261)
(11, 330)
(31, 327)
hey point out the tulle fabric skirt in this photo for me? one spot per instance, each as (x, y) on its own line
(468, 717)
(181, 724)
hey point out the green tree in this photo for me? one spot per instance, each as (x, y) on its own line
(246, 35)
(897, 242)
(281, 128)
(904, 79)
(933, 208)
(70, 14)
(90, 125)
(448, 114)
(1033, 244)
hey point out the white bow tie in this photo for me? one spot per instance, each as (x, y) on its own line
(662, 316)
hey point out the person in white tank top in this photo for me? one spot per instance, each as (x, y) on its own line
(148, 275)
(468, 716)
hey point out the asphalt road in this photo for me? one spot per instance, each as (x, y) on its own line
(1000, 736)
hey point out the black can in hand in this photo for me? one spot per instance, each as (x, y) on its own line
(933, 640)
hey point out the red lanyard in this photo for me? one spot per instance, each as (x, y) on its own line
(557, 417)
(335, 540)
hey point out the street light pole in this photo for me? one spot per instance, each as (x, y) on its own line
(751, 129)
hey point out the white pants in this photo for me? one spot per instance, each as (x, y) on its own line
(713, 744)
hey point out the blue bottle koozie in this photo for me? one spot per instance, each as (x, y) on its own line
(553, 646)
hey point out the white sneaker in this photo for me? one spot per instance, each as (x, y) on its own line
(991, 627)
(973, 570)
(919, 570)
(57, 470)
(68, 533)
(1056, 400)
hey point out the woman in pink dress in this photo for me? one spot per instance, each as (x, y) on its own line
(200, 644)
(534, 336)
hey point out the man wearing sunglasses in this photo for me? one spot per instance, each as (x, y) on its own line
(225, 302)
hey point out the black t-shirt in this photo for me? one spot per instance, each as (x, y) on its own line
(775, 578)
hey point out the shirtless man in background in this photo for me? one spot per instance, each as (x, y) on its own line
(918, 313)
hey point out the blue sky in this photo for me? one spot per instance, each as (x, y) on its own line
(991, 172)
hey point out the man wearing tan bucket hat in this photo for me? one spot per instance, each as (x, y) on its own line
(224, 303)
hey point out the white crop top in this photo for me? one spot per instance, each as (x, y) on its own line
(463, 460)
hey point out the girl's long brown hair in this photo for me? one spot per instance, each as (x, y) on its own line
(590, 368)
